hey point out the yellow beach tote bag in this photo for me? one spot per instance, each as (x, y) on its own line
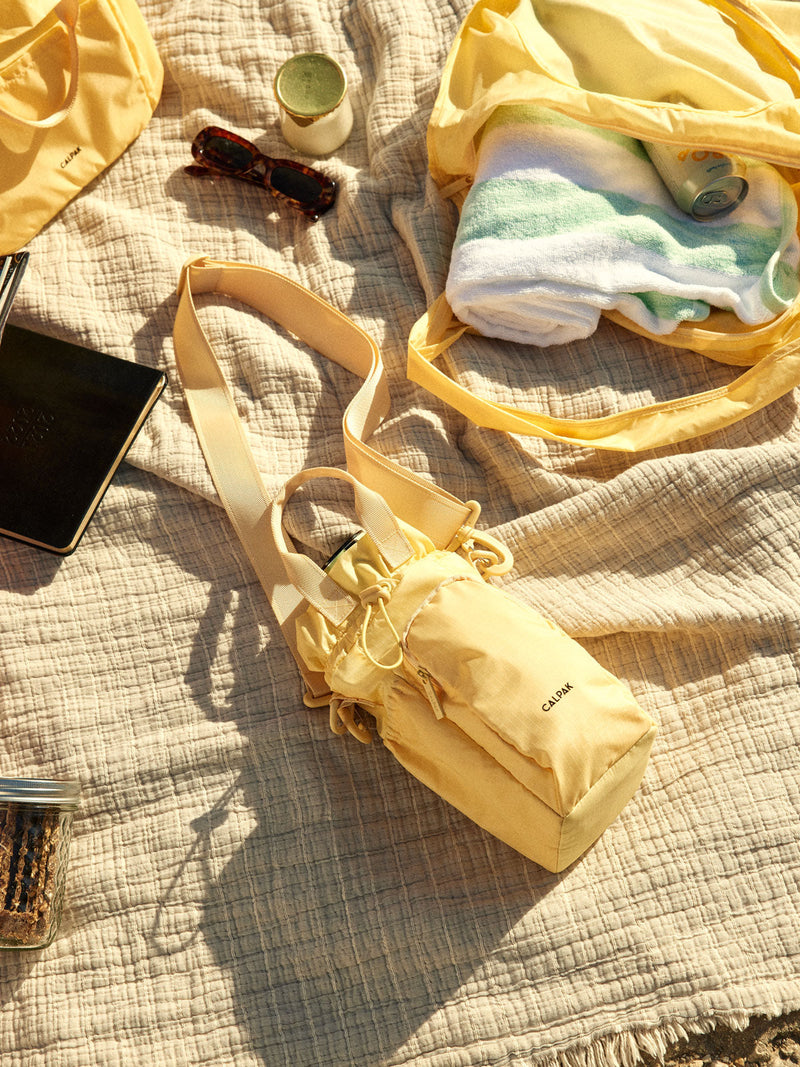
(79, 81)
(628, 67)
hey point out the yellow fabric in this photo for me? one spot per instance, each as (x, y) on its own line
(490, 705)
(113, 61)
(335, 336)
(518, 726)
(721, 73)
(228, 453)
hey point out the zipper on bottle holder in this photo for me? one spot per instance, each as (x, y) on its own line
(430, 692)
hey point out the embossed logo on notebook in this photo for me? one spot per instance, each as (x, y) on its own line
(28, 427)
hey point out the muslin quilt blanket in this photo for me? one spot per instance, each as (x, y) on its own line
(247, 888)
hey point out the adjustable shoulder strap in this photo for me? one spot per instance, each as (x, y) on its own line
(443, 517)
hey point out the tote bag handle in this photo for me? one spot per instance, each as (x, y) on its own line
(65, 11)
(634, 430)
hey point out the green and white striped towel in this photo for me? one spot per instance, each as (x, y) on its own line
(565, 221)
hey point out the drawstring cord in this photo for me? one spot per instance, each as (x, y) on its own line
(487, 554)
(344, 712)
(373, 595)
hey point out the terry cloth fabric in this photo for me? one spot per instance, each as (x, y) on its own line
(566, 221)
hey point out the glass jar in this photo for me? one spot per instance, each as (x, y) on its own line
(35, 830)
(316, 116)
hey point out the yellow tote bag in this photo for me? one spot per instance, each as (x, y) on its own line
(741, 71)
(78, 82)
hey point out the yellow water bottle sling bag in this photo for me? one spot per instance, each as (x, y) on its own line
(481, 698)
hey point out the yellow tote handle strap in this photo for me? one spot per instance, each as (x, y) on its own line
(749, 16)
(227, 452)
(629, 431)
(65, 11)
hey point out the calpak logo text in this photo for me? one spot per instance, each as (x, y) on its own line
(554, 699)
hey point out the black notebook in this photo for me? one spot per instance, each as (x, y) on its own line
(68, 415)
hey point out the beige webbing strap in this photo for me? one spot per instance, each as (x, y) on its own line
(375, 516)
(230, 461)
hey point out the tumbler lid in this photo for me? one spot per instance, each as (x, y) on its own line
(310, 85)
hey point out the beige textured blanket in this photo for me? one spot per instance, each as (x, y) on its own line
(247, 888)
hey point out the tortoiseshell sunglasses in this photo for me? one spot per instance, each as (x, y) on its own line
(220, 153)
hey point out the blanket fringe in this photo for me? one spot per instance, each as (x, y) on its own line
(626, 1049)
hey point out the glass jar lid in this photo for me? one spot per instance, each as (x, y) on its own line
(310, 85)
(42, 792)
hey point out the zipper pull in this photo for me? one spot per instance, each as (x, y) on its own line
(430, 692)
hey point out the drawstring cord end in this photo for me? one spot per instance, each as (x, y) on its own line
(346, 718)
(373, 595)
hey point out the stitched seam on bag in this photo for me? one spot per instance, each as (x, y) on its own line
(406, 651)
(389, 734)
(433, 593)
(596, 786)
(489, 728)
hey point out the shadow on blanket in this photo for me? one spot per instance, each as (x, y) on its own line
(321, 911)
(358, 894)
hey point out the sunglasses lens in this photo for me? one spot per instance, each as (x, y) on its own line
(225, 153)
(295, 184)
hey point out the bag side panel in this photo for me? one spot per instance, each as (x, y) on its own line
(519, 685)
(604, 801)
(442, 757)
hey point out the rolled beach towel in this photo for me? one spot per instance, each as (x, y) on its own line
(565, 221)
